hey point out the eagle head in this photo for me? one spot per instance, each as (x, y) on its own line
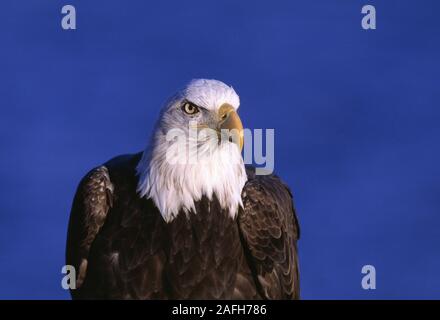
(195, 151)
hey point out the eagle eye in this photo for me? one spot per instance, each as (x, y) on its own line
(190, 108)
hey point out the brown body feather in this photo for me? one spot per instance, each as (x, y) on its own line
(122, 248)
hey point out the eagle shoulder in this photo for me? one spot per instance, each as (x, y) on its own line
(270, 230)
(92, 201)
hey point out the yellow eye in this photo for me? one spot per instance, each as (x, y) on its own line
(189, 108)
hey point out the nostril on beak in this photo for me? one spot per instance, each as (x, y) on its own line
(229, 120)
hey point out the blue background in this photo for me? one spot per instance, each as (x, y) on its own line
(356, 116)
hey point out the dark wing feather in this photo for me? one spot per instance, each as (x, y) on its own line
(270, 229)
(91, 204)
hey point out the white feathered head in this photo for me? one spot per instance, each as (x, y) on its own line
(195, 151)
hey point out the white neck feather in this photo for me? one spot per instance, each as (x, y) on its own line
(175, 186)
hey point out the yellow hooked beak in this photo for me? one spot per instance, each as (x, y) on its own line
(230, 120)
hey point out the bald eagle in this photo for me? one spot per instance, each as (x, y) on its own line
(144, 227)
